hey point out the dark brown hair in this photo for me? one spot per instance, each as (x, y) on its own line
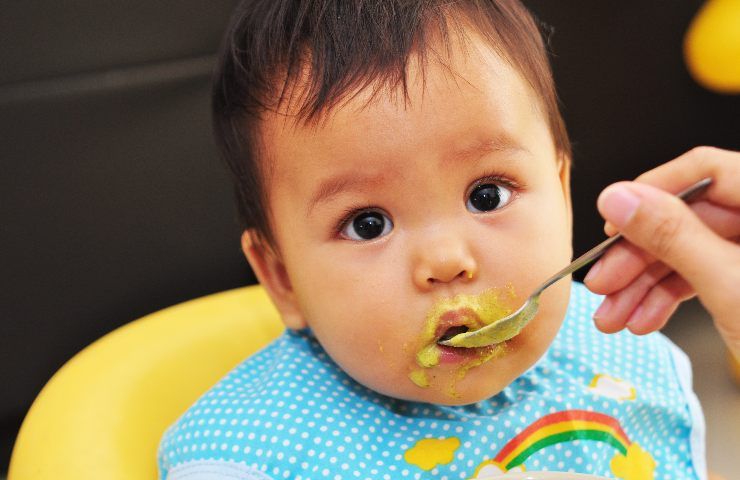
(344, 46)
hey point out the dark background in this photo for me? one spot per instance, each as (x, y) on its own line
(113, 203)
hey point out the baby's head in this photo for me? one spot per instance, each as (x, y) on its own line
(400, 167)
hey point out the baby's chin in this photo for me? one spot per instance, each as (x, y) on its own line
(467, 397)
(448, 392)
(446, 385)
(460, 382)
(446, 388)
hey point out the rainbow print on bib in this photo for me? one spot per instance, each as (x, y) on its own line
(630, 462)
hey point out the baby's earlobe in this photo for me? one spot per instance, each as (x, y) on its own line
(294, 320)
(270, 270)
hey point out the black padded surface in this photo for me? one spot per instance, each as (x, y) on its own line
(41, 39)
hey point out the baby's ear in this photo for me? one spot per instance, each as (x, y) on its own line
(564, 174)
(272, 275)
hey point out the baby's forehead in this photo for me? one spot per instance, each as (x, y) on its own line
(480, 109)
(453, 88)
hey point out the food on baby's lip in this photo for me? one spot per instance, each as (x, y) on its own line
(428, 356)
(459, 314)
(463, 313)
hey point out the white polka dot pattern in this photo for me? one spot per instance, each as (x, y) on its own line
(290, 412)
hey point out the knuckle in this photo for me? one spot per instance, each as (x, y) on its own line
(703, 151)
(702, 155)
(705, 158)
(664, 235)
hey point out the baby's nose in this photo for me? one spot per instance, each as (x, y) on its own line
(443, 260)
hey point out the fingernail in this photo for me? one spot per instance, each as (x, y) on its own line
(603, 309)
(593, 272)
(618, 204)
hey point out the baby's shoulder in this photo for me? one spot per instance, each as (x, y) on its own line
(254, 398)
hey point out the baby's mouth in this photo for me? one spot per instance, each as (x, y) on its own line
(448, 318)
(447, 325)
(451, 332)
(454, 322)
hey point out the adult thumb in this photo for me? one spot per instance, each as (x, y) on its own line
(665, 227)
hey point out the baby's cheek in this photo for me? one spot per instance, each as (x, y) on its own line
(372, 364)
(553, 306)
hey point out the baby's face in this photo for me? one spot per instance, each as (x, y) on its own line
(392, 219)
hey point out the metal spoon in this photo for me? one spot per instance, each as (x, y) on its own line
(510, 326)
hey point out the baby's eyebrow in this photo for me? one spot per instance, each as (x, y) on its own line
(342, 182)
(499, 143)
(353, 180)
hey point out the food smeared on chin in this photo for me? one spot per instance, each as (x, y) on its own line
(419, 377)
(452, 316)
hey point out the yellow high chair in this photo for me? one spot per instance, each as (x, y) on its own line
(102, 414)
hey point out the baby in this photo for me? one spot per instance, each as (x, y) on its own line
(402, 172)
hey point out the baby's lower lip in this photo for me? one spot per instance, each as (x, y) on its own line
(458, 355)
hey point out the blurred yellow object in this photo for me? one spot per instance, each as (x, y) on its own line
(102, 414)
(712, 46)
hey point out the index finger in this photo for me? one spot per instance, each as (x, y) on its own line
(722, 165)
(624, 262)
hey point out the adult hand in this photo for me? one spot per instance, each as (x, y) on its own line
(674, 251)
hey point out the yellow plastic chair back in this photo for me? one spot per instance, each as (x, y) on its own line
(102, 414)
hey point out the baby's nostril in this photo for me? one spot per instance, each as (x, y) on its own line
(465, 274)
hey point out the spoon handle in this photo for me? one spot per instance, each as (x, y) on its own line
(599, 249)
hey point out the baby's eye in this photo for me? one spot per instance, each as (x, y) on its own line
(367, 225)
(488, 196)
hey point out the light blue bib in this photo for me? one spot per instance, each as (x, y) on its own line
(620, 406)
